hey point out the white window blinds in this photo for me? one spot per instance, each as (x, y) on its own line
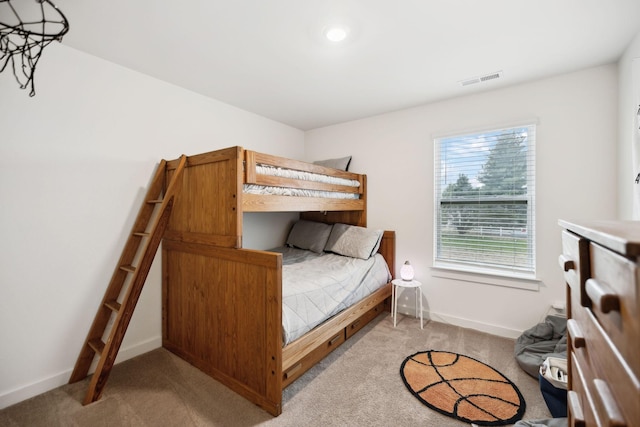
(484, 201)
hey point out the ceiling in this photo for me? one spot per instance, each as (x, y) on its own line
(269, 56)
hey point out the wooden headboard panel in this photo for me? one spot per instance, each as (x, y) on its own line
(358, 218)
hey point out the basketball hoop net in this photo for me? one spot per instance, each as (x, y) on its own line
(25, 30)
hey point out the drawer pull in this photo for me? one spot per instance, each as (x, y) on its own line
(601, 294)
(566, 263)
(292, 371)
(611, 409)
(334, 340)
(355, 324)
(577, 337)
(573, 401)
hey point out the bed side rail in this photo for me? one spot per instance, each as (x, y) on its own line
(253, 158)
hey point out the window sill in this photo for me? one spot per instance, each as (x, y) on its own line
(517, 282)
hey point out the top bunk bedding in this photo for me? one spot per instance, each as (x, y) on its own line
(317, 286)
(267, 175)
(294, 174)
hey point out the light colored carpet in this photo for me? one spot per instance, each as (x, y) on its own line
(357, 385)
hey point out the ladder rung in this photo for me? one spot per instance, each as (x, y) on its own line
(113, 305)
(97, 345)
(155, 201)
(141, 234)
(128, 268)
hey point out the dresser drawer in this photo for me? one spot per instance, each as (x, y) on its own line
(570, 259)
(580, 405)
(614, 302)
(602, 367)
(578, 344)
(574, 261)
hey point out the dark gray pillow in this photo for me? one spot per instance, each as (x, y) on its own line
(309, 235)
(342, 163)
(354, 241)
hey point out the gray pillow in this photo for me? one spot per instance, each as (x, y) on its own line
(309, 235)
(342, 163)
(354, 241)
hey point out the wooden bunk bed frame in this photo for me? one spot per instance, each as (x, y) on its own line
(222, 304)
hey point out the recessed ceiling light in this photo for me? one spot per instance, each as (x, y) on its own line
(336, 34)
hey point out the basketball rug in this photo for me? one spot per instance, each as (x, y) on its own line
(463, 388)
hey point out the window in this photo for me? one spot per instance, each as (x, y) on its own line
(484, 202)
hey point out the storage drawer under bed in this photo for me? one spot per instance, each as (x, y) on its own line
(307, 362)
(312, 358)
(366, 318)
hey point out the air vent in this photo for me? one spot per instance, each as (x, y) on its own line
(480, 79)
(469, 82)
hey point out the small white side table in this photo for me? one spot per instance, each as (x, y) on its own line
(399, 283)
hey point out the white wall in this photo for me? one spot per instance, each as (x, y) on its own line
(576, 179)
(74, 164)
(628, 134)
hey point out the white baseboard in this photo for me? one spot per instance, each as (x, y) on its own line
(17, 395)
(500, 331)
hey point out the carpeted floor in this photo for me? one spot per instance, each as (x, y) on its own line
(357, 385)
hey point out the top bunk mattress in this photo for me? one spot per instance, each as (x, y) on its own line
(300, 192)
(316, 286)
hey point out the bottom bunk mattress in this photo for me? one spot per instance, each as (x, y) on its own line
(317, 286)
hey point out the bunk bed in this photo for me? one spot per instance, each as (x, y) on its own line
(222, 304)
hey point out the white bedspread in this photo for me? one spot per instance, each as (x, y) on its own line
(316, 286)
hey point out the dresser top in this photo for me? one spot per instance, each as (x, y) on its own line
(620, 236)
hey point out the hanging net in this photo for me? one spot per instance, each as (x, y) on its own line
(26, 28)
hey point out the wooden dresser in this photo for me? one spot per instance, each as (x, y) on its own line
(600, 263)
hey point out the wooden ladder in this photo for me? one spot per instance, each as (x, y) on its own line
(115, 311)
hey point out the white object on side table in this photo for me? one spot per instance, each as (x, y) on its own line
(399, 283)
